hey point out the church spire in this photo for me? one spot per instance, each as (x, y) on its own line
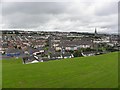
(95, 32)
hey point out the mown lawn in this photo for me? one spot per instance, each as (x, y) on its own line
(0, 74)
(84, 72)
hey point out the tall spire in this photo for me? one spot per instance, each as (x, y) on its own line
(95, 32)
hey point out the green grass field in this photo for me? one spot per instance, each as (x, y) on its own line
(0, 74)
(84, 72)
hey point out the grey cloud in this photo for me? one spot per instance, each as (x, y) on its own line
(33, 8)
(27, 14)
(27, 20)
(60, 16)
(107, 9)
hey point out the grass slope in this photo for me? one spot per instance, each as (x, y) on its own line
(0, 74)
(84, 72)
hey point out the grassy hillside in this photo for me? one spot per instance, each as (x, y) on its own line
(84, 72)
(0, 74)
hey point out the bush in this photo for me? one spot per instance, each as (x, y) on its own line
(77, 53)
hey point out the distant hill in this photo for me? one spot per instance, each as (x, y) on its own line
(84, 72)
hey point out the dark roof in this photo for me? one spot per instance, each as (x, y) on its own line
(4, 45)
(32, 50)
(56, 54)
(67, 54)
(77, 42)
(29, 59)
(89, 52)
(12, 50)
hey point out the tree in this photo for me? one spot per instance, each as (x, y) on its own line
(77, 53)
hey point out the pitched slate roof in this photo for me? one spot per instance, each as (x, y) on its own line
(76, 42)
(28, 59)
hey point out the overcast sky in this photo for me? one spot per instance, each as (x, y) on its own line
(61, 16)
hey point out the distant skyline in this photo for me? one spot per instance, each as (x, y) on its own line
(74, 16)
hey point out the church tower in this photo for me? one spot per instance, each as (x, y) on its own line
(95, 32)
